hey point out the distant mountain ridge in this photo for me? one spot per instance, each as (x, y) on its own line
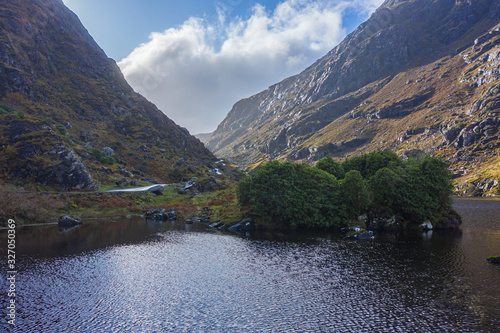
(63, 101)
(419, 76)
(203, 137)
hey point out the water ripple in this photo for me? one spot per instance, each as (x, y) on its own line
(185, 281)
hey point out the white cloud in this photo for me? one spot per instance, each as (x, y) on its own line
(196, 72)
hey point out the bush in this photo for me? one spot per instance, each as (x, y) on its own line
(101, 157)
(61, 129)
(7, 109)
(355, 196)
(331, 166)
(176, 175)
(287, 194)
(419, 190)
(369, 164)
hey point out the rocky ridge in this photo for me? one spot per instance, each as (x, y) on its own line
(68, 118)
(419, 77)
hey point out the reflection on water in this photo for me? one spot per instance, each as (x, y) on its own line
(137, 276)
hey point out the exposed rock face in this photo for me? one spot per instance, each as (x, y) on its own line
(41, 155)
(418, 75)
(62, 100)
(69, 173)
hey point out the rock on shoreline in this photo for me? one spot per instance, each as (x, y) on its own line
(68, 222)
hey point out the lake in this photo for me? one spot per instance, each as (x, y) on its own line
(138, 276)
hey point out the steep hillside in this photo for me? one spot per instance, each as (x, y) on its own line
(420, 76)
(68, 118)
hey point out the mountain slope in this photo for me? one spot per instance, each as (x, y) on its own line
(63, 101)
(418, 76)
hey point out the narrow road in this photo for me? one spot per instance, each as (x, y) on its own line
(140, 189)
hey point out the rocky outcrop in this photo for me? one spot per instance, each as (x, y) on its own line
(285, 119)
(161, 214)
(242, 227)
(417, 76)
(197, 185)
(70, 173)
(36, 153)
(393, 223)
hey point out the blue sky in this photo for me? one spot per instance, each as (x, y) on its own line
(194, 59)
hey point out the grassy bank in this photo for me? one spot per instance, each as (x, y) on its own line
(45, 207)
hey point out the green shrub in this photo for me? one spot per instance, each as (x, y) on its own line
(355, 196)
(331, 166)
(287, 194)
(369, 164)
(101, 157)
(61, 129)
(176, 175)
(7, 109)
(419, 190)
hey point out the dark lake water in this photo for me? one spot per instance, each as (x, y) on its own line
(137, 276)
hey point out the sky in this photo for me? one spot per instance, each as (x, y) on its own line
(195, 58)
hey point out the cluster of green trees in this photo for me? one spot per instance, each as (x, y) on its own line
(332, 193)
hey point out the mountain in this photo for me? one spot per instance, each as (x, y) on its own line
(203, 137)
(419, 76)
(68, 118)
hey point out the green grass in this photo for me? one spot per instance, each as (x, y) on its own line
(220, 204)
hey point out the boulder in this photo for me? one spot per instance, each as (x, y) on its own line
(451, 220)
(121, 182)
(106, 170)
(158, 190)
(138, 173)
(365, 235)
(192, 220)
(357, 233)
(172, 214)
(426, 226)
(246, 225)
(216, 225)
(190, 183)
(385, 224)
(494, 260)
(69, 173)
(125, 172)
(209, 187)
(108, 151)
(68, 222)
(161, 214)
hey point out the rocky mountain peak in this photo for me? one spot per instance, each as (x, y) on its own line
(389, 84)
(66, 100)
